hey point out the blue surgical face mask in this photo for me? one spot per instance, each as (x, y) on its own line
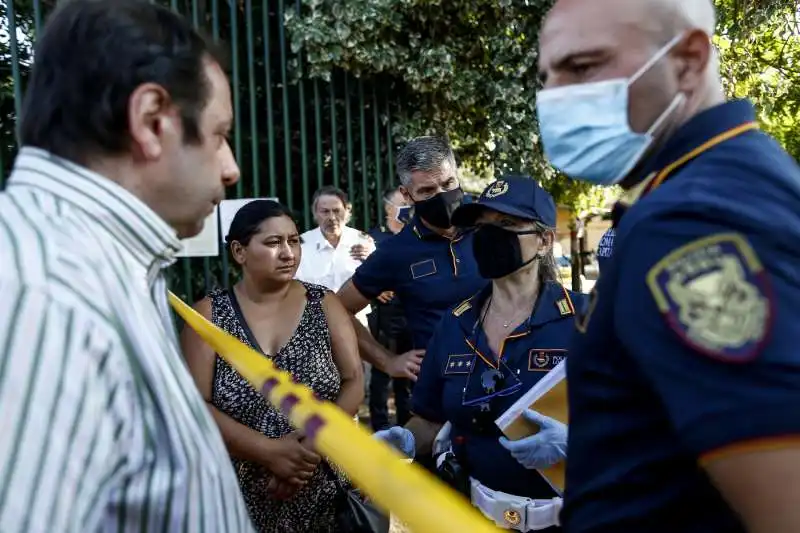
(585, 128)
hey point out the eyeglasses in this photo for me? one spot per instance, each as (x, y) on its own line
(495, 383)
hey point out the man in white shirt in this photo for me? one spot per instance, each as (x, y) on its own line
(123, 133)
(332, 251)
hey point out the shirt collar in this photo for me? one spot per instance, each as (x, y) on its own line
(699, 129)
(554, 303)
(348, 234)
(424, 233)
(146, 236)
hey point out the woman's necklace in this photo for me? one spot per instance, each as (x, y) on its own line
(512, 320)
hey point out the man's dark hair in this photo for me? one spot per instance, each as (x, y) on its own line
(249, 217)
(424, 154)
(91, 57)
(329, 190)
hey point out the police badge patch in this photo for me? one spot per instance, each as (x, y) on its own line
(714, 294)
(545, 360)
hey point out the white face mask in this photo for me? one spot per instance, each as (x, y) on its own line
(585, 128)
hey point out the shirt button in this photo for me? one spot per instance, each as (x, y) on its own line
(458, 260)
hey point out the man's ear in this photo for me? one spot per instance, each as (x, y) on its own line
(348, 214)
(406, 195)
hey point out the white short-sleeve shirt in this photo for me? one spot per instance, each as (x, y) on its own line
(330, 267)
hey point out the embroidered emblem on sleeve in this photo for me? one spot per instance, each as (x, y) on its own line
(714, 294)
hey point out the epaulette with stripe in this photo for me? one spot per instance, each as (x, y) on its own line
(463, 307)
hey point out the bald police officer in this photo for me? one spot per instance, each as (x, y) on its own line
(685, 377)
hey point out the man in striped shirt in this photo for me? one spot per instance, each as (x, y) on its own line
(123, 131)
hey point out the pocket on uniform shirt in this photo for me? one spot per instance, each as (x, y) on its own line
(423, 269)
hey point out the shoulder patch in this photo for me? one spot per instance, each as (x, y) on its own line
(714, 294)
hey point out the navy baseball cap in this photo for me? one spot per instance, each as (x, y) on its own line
(519, 196)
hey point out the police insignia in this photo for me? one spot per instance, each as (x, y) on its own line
(714, 294)
(499, 188)
(461, 308)
(544, 360)
(564, 307)
(459, 364)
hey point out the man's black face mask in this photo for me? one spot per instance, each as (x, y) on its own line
(438, 209)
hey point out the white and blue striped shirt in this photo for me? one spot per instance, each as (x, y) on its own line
(101, 426)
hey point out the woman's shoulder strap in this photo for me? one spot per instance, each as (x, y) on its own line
(314, 292)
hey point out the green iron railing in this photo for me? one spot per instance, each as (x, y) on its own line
(292, 134)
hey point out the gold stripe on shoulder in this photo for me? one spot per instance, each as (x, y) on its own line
(462, 308)
(633, 195)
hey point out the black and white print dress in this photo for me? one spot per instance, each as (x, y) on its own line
(309, 358)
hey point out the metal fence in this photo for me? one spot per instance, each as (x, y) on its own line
(292, 134)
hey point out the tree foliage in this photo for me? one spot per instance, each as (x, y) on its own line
(467, 68)
(759, 45)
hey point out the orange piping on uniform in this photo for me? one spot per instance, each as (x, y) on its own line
(756, 445)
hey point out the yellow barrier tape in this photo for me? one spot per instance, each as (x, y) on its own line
(417, 498)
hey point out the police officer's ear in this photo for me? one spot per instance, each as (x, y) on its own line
(695, 60)
(547, 237)
(406, 195)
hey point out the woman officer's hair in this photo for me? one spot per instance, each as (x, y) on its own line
(247, 220)
(548, 269)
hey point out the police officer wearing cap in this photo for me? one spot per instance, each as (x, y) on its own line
(428, 265)
(684, 381)
(492, 348)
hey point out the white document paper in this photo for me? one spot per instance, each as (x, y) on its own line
(228, 209)
(541, 388)
(206, 243)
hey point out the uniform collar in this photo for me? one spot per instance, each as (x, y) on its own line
(146, 236)
(699, 129)
(424, 233)
(554, 303)
(701, 133)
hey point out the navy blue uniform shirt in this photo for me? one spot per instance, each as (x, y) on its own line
(428, 272)
(380, 234)
(605, 248)
(690, 342)
(387, 320)
(451, 373)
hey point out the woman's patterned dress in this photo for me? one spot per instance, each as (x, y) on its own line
(308, 357)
